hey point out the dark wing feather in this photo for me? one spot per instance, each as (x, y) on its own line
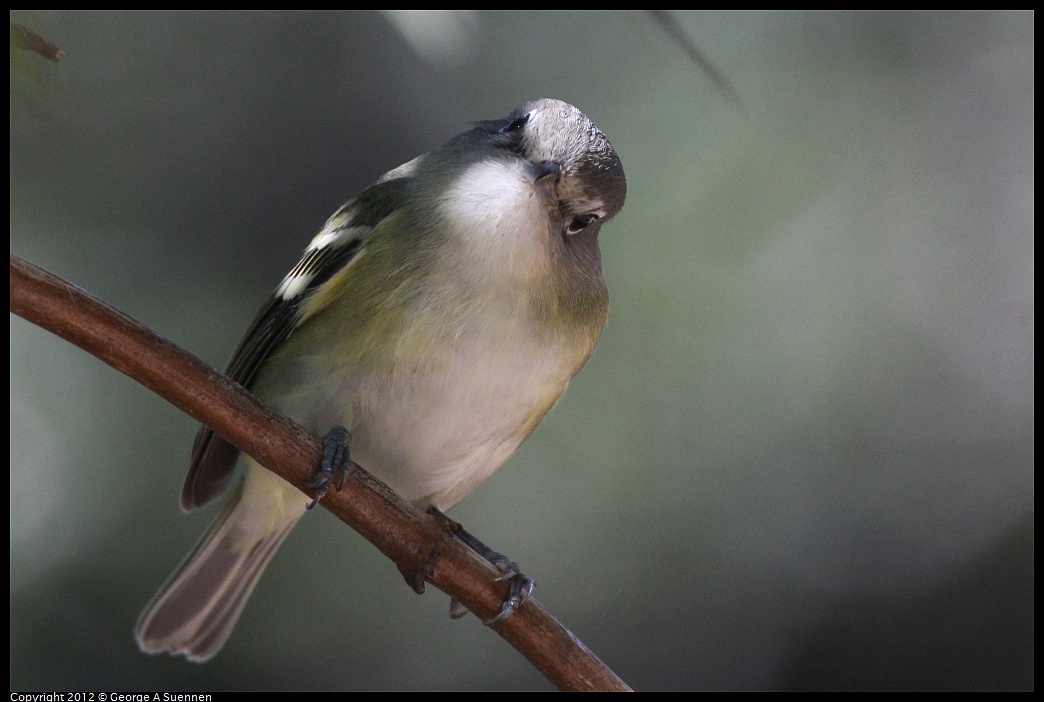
(214, 458)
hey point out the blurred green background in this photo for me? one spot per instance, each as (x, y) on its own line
(800, 458)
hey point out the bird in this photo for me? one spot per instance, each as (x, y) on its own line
(430, 326)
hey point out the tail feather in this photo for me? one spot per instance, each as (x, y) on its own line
(194, 613)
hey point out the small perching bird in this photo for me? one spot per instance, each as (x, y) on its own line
(435, 320)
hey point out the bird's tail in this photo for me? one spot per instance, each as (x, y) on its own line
(194, 612)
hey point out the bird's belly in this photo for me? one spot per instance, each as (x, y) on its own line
(436, 427)
(436, 435)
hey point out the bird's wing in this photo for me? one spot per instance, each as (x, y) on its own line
(340, 243)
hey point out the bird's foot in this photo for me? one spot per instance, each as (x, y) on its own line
(520, 586)
(337, 463)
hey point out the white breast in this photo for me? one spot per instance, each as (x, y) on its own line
(440, 428)
(474, 371)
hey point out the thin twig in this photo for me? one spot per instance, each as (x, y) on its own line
(405, 534)
(24, 38)
(675, 31)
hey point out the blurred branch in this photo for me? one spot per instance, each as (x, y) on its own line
(24, 38)
(676, 32)
(412, 539)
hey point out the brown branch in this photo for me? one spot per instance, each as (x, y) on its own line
(24, 38)
(402, 532)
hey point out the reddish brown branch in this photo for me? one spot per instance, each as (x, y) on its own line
(24, 38)
(403, 533)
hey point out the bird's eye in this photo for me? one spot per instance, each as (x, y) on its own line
(580, 223)
(516, 125)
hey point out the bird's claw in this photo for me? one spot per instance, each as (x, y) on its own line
(337, 463)
(521, 589)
